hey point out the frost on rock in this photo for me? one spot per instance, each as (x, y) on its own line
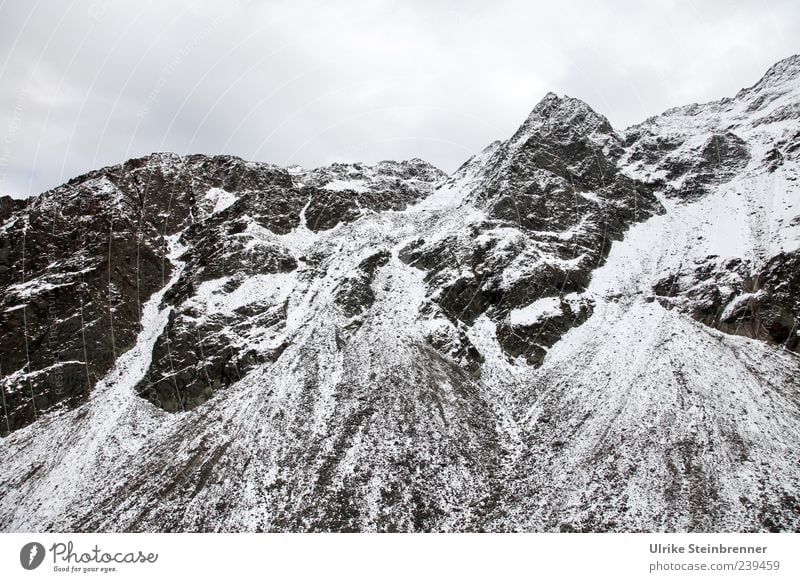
(581, 329)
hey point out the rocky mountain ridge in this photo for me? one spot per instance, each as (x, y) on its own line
(581, 329)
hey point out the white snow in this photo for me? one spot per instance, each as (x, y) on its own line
(77, 448)
(272, 289)
(221, 199)
(536, 311)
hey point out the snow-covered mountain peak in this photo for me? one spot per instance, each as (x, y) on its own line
(782, 75)
(561, 117)
(578, 330)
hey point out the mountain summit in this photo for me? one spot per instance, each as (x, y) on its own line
(582, 329)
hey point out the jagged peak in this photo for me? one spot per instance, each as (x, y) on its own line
(552, 99)
(412, 162)
(783, 70)
(557, 106)
(148, 160)
(780, 81)
(562, 112)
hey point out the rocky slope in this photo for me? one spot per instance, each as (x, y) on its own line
(581, 329)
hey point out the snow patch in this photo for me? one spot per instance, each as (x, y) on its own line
(221, 199)
(536, 311)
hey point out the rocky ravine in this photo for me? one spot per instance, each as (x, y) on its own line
(582, 329)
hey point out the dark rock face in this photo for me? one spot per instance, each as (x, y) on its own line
(8, 206)
(197, 355)
(355, 292)
(777, 312)
(193, 360)
(328, 208)
(410, 179)
(738, 298)
(530, 340)
(690, 174)
(200, 352)
(77, 263)
(343, 192)
(555, 199)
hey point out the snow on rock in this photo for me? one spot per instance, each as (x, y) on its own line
(71, 455)
(541, 308)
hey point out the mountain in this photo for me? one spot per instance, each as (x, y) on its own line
(581, 329)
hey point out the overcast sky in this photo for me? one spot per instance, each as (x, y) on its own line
(90, 83)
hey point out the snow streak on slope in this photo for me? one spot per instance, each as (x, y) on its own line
(302, 430)
(63, 460)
